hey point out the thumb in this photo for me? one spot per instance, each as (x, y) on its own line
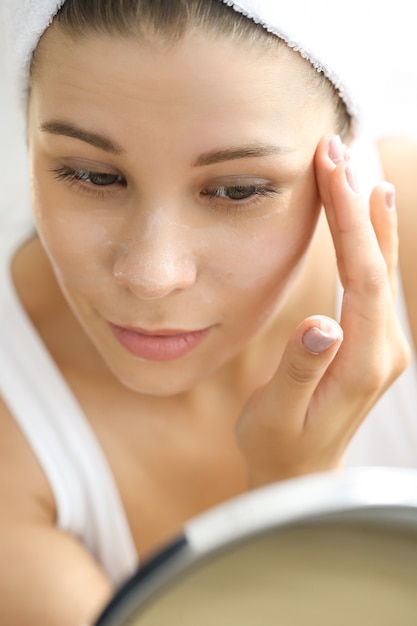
(282, 404)
(306, 358)
(273, 420)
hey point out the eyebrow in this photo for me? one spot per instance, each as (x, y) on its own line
(57, 127)
(241, 152)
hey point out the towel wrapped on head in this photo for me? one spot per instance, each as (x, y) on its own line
(326, 32)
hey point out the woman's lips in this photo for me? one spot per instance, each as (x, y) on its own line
(160, 345)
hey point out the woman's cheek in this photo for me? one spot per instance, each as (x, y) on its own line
(265, 250)
(79, 245)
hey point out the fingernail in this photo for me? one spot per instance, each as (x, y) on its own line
(390, 196)
(317, 340)
(336, 150)
(351, 178)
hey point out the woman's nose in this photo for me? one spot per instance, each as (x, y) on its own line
(158, 259)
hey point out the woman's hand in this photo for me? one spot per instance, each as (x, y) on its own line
(330, 378)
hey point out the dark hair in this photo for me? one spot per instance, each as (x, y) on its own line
(170, 20)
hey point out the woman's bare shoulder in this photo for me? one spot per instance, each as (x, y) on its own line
(22, 480)
(399, 161)
(28, 534)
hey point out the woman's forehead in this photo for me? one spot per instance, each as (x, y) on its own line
(195, 70)
(199, 94)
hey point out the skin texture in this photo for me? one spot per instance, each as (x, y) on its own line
(156, 249)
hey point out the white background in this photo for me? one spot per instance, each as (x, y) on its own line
(390, 105)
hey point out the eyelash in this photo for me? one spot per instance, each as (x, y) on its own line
(255, 194)
(217, 195)
(84, 179)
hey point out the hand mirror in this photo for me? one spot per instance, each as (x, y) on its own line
(333, 549)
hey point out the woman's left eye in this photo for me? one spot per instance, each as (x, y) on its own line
(237, 193)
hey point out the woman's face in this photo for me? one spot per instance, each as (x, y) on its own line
(174, 192)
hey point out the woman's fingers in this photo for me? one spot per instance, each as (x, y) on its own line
(303, 419)
(346, 211)
(306, 358)
(275, 417)
(362, 268)
(360, 259)
(374, 351)
(384, 220)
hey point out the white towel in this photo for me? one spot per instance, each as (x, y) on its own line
(334, 35)
(25, 22)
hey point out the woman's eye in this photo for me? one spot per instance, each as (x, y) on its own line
(98, 179)
(238, 192)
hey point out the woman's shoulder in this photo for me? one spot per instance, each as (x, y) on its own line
(28, 530)
(399, 162)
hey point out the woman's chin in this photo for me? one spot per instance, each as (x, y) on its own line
(161, 380)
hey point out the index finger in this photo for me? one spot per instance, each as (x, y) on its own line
(367, 310)
(360, 260)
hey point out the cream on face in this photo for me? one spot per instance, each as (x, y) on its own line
(182, 193)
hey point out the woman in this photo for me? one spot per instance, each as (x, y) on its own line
(168, 333)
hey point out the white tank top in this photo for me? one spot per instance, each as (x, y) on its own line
(87, 500)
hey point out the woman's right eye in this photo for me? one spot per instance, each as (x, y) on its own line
(96, 179)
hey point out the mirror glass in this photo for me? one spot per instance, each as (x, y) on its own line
(339, 570)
